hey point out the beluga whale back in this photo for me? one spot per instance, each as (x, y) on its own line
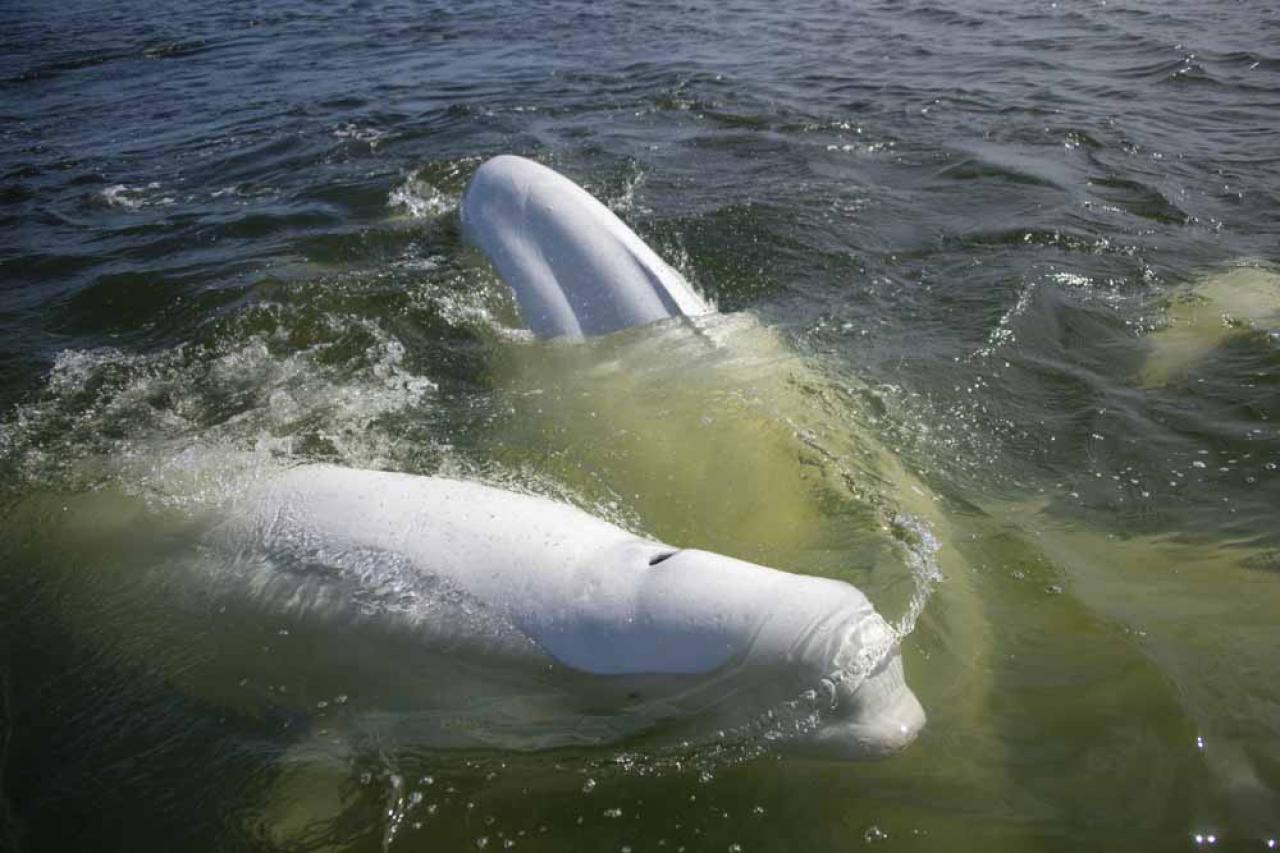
(576, 269)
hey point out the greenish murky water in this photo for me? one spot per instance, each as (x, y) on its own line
(999, 280)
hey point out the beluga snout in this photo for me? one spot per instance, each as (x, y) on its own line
(873, 717)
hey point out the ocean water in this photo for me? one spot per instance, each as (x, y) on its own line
(1022, 257)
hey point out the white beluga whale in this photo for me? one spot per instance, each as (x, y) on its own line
(519, 622)
(530, 591)
(459, 615)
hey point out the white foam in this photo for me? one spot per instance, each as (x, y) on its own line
(125, 197)
(420, 199)
(371, 136)
(165, 424)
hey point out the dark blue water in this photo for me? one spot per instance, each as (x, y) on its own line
(234, 224)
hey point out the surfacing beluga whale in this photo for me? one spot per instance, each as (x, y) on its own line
(594, 633)
(571, 612)
(421, 613)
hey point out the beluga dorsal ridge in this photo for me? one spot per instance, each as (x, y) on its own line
(576, 269)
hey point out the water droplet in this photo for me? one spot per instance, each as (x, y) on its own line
(588, 786)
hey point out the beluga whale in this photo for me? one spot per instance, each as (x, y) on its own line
(1233, 304)
(705, 576)
(587, 632)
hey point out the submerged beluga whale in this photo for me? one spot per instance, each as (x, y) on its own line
(1238, 302)
(423, 612)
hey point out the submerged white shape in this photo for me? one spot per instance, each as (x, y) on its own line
(1208, 314)
(576, 268)
(659, 633)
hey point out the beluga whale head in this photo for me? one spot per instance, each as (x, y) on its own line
(823, 641)
(605, 634)
(869, 716)
(734, 642)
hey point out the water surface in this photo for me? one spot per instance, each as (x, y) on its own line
(229, 232)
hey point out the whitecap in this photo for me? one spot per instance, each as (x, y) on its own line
(420, 199)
